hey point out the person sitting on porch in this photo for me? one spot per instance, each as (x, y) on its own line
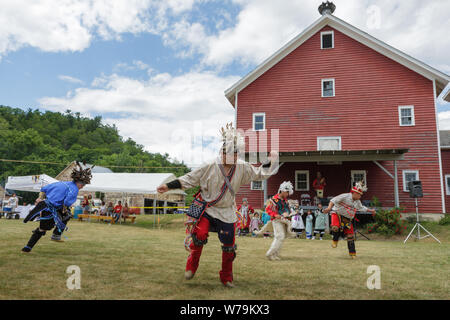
(319, 185)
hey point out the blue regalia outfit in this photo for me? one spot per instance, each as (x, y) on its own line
(53, 209)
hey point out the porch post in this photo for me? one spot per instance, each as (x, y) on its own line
(265, 191)
(397, 202)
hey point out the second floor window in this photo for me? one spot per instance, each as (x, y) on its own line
(259, 121)
(406, 115)
(327, 88)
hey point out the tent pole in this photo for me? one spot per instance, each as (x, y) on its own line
(155, 204)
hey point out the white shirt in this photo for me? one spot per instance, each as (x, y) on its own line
(344, 205)
(210, 179)
(12, 202)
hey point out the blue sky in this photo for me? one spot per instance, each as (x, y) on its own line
(158, 69)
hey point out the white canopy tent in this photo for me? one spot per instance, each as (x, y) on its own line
(142, 183)
(125, 183)
(29, 183)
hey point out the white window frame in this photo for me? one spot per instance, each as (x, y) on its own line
(329, 138)
(413, 118)
(307, 180)
(334, 87)
(358, 172)
(404, 172)
(259, 114)
(253, 188)
(447, 189)
(332, 39)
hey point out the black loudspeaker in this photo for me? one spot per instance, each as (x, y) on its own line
(415, 189)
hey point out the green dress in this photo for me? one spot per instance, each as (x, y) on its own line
(320, 220)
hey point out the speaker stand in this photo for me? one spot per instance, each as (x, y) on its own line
(418, 226)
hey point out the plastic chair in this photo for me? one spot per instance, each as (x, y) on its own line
(305, 199)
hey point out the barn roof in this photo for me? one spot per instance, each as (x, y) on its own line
(441, 79)
(336, 155)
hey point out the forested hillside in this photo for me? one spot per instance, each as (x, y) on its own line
(55, 137)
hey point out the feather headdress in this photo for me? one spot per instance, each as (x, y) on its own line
(286, 186)
(80, 174)
(232, 140)
(359, 187)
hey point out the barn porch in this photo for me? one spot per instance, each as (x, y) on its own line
(379, 168)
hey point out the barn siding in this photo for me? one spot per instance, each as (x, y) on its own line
(369, 87)
(445, 154)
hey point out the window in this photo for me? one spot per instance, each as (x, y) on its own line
(406, 115)
(328, 88)
(327, 40)
(409, 175)
(358, 175)
(259, 121)
(447, 184)
(302, 180)
(328, 143)
(256, 185)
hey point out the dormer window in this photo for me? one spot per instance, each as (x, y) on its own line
(327, 40)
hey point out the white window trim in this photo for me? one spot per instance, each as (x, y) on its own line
(307, 180)
(328, 138)
(358, 172)
(334, 87)
(332, 39)
(259, 114)
(447, 190)
(413, 118)
(252, 188)
(404, 172)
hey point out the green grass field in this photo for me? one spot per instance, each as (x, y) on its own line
(142, 262)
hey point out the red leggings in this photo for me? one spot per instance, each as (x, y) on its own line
(226, 236)
(335, 222)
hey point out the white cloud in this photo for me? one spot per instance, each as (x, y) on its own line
(444, 120)
(71, 25)
(162, 112)
(70, 79)
(416, 27)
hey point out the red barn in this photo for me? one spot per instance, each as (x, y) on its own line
(349, 106)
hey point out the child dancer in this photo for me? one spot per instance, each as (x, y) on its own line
(309, 225)
(319, 228)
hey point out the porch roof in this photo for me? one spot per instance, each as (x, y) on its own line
(341, 155)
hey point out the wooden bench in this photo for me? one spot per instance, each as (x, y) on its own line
(93, 216)
(131, 217)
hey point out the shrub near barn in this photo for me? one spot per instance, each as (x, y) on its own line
(387, 222)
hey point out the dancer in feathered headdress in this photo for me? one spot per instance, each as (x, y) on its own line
(343, 209)
(52, 206)
(279, 211)
(213, 207)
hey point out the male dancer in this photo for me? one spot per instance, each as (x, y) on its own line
(221, 216)
(52, 206)
(279, 211)
(343, 209)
